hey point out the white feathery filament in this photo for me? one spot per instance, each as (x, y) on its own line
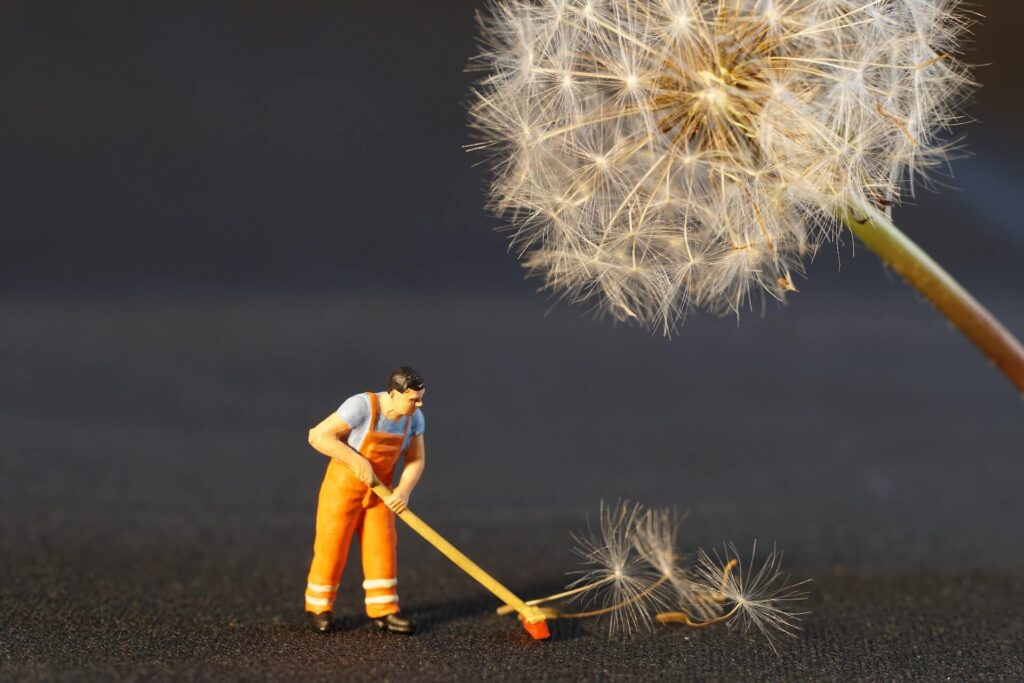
(659, 155)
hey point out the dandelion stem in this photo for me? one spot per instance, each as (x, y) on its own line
(684, 618)
(920, 271)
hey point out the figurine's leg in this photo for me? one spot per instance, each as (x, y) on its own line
(337, 516)
(380, 552)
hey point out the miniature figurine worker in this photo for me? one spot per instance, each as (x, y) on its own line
(365, 437)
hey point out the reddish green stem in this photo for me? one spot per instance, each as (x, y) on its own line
(876, 231)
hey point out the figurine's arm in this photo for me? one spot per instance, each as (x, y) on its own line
(415, 461)
(328, 438)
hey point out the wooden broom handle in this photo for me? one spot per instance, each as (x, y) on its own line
(530, 614)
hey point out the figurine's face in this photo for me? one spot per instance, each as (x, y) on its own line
(406, 402)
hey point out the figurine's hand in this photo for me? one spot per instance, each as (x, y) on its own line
(361, 467)
(398, 501)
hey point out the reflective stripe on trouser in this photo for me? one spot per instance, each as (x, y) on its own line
(340, 512)
(380, 594)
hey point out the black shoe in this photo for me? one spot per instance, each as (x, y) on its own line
(321, 623)
(395, 623)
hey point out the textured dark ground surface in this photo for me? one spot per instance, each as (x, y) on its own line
(158, 493)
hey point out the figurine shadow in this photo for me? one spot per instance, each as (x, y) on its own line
(434, 615)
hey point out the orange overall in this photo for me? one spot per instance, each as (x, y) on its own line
(347, 505)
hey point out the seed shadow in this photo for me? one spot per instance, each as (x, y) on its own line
(429, 616)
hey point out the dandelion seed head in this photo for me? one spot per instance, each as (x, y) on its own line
(719, 122)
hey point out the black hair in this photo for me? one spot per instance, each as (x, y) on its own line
(404, 378)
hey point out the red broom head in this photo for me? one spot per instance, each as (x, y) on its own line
(539, 629)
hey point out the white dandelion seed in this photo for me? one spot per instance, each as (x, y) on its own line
(658, 155)
(654, 538)
(618, 582)
(755, 595)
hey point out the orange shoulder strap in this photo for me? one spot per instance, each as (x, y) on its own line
(374, 410)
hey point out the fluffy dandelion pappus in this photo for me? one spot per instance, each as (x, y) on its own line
(635, 576)
(654, 156)
(654, 538)
(617, 577)
(761, 597)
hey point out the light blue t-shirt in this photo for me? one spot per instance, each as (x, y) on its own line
(355, 411)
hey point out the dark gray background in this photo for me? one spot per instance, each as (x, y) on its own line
(221, 219)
